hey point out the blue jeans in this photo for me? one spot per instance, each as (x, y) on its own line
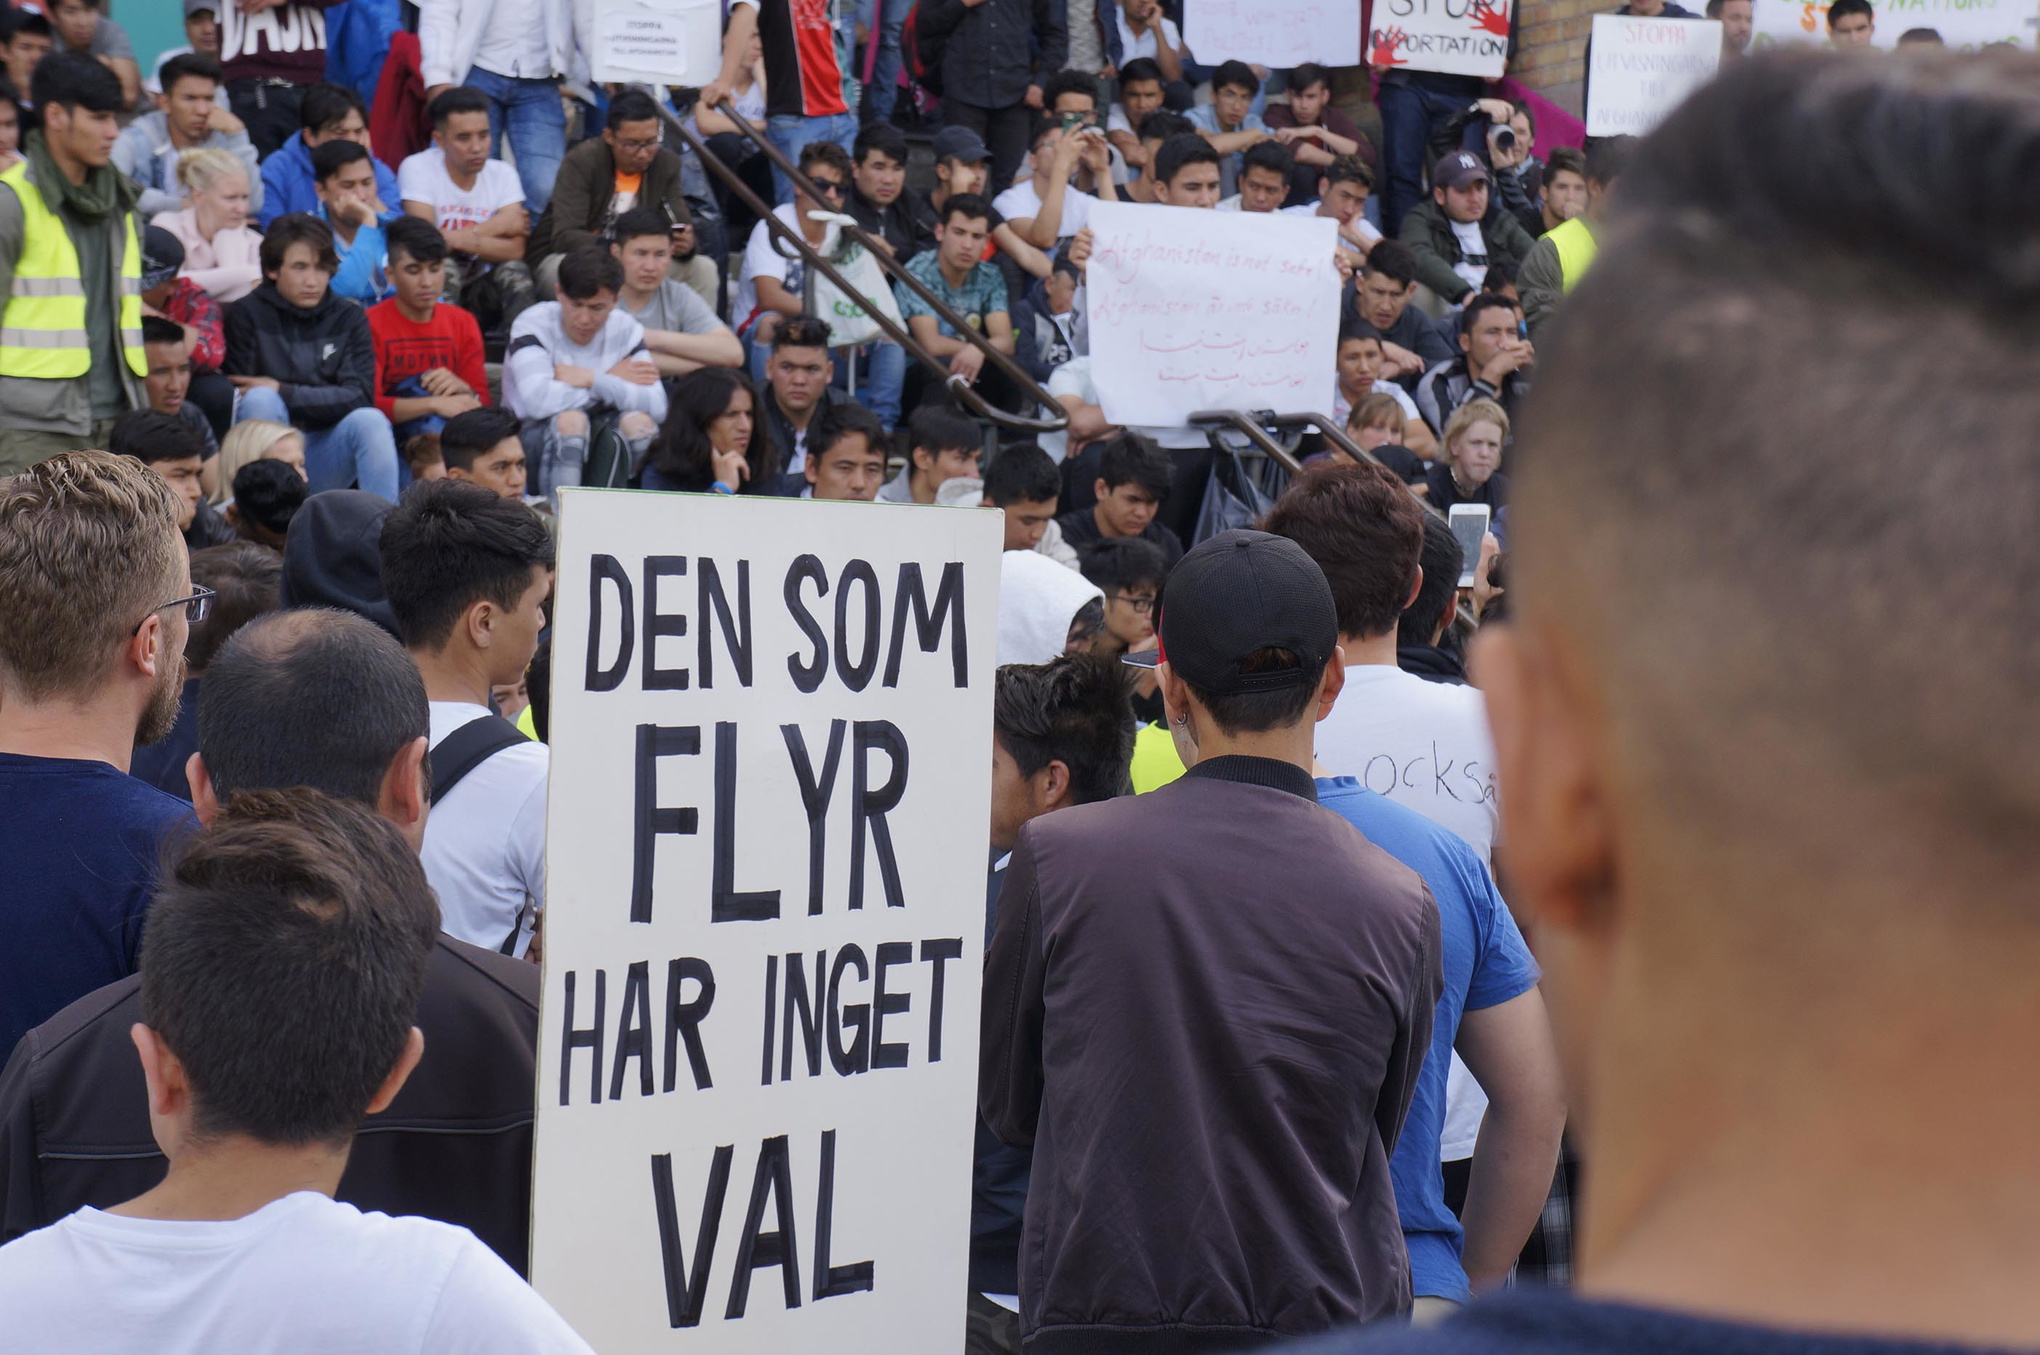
(529, 112)
(358, 450)
(883, 89)
(791, 133)
(1408, 113)
(884, 374)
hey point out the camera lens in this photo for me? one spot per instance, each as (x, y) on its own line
(1505, 138)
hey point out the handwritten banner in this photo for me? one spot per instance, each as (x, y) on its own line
(1454, 37)
(1966, 24)
(1644, 68)
(764, 922)
(657, 42)
(1275, 33)
(1195, 310)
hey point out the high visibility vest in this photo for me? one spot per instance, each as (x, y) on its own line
(42, 330)
(1576, 247)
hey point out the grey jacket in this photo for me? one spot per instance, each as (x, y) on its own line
(144, 154)
(1541, 284)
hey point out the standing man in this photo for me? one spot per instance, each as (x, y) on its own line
(271, 52)
(1133, 1068)
(803, 75)
(514, 53)
(996, 55)
(1561, 256)
(186, 119)
(71, 358)
(477, 203)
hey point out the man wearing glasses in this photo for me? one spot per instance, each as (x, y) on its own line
(95, 603)
(774, 278)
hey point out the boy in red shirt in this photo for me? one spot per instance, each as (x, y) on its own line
(428, 355)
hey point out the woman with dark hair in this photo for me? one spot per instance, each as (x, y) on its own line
(708, 443)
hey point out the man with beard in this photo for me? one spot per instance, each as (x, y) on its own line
(95, 601)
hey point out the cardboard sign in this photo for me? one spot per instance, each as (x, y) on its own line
(1456, 37)
(764, 925)
(657, 42)
(1276, 33)
(1194, 310)
(1966, 24)
(1644, 68)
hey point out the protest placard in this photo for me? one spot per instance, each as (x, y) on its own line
(764, 922)
(1644, 68)
(1961, 23)
(1194, 310)
(1275, 33)
(659, 42)
(1456, 37)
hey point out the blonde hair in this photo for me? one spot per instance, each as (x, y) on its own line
(1380, 410)
(1471, 413)
(200, 171)
(249, 440)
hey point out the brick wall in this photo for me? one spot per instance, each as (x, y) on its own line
(1551, 47)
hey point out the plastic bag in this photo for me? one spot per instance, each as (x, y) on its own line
(848, 323)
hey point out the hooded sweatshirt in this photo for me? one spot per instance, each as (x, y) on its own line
(1038, 599)
(333, 556)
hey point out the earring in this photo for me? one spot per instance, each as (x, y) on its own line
(1182, 718)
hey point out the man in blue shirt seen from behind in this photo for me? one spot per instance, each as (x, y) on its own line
(95, 602)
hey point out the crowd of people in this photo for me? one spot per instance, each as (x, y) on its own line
(292, 371)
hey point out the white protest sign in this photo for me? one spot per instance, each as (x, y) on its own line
(1644, 68)
(1961, 23)
(658, 42)
(1275, 33)
(1195, 310)
(764, 924)
(1455, 37)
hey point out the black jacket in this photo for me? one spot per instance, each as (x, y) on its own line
(578, 212)
(993, 52)
(1432, 663)
(207, 528)
(1443, 491)
(323, 357)
(455, 1145)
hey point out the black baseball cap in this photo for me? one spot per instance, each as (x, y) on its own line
(961, 143)
(1236, 594)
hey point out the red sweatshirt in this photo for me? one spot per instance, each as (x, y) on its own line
(450, 339)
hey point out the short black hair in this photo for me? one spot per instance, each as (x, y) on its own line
(149, 437)
(327, 105)
(458, 99)
(1922, 37)
(639, 222)
(1117, 563)
(1842, 9)
(1256, 712)
(330, 157)
(1269, 155)
(1352, 327)
(449, 545)
(156, 329)
(839, 421)
(883, 138)
(28, 21)
(1069, 80)
(801, 331)
(1141, 68)
(415, 236)
(1442, 560)
(630, 105)
(1073, 710)
(314, 697)
(1565, 157)
(1133, 458)
(1308, 74)
(1502, 272)
(1164, 123)
(1348, 169)
(244, 578)
(1362, 527)
(941, 427)
(187, 66)
(283, 962)
(1480, 305)
(298, 228)
(1392, 259)
(268, 494)
(1237, 74)
(467, 436)
(588, 271)
(966, 205)
(1185, 148)
(1609, 158)
(1022, 473)
(66, 80)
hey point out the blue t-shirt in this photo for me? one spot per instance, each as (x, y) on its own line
(1485, 963)
(81, 843)
(983, 293)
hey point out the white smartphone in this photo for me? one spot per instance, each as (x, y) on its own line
(1469, 527)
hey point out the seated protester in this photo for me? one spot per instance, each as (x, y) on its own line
(797, 389)
(1134, 477)
(267, 496)
(1073, 94)
(962, 166)
(1140, 94)
(1024, 483)
(773, 280)
(712, 442)
(1361, 358)
(201, 34)
(957, 274)
(1565, 190)
(1048, 322)
(1460, 231)
(682, 332)
(1265, 172)
(483, 447)
(625, 169)
(1342, 193)
(168, 380)
(1048, 206)
(1381, 292)
(185, 119)
(345, 180)
(327, 112)
(1160, 126)
(323, 902)
(1187, 172)
(1230, 121)
(1376, 425)
(477, 202)
(879, 197)
(168, 446)
(12, 117)
(1420, 633)
(334, 556)
(1494, 363)
(221, 254)
(943, 444)
(253, 440)
(1045, 610)
(1561, 257)
(1130, 572)
(177, 299)
(421, 454)
(305, 357)
(1466, 473)
(847, 460)
(25, 39)
(1079, 448)
(1317, 132)
(81, 28)
(467, 573)
(428, 354)
(578, 367)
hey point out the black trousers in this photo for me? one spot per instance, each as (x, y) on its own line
(1004, 131)
(270, 110)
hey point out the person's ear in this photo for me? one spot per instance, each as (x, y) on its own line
(204, 803)
(414, 1049)
(914, 455)
(169, 1089)
(1416, 587)
(1465, 342)
(232, 514)
(1101, 489)
(480, 619)
(404, 796)
(1175, 695)
(145, 648)
(1332, 683)
(1052, 785)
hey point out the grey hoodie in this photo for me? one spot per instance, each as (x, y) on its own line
(144, 154)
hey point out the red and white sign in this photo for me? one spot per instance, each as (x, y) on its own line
(1454, 37)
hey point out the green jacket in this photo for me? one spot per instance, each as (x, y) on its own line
(1541, 284)
(1428, 233)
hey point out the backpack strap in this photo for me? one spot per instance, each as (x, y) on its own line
(468, 748)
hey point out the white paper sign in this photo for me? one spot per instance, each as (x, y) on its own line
(1194, 310)
(1644, 68)
(1275, 33)
(1961, 23)
(1456, 37)
(764, 925)
(659, 42)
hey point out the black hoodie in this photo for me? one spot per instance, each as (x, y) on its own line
(324, 357)
(333, 556)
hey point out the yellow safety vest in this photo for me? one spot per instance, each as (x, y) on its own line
(42, 330)
(1576, 247)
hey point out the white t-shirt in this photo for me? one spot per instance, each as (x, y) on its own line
(1341, 406)
(423, 178)
(1473, 262)
(1074, 378)
(763, 259)
(1424, 745)
(1022, 203)
(1144, 45)
(484, 847)
(303, 1274)
(515, 41)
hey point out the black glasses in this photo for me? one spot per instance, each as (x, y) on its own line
(197, 607)
(829, 186)
(1141, 606)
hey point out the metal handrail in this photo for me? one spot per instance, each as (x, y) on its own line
(1336, 436)
(1245, 424)
(967, 395)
